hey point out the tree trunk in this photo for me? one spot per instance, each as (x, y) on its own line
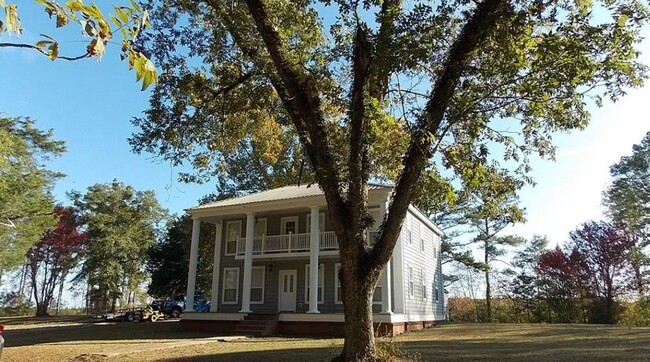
(357, 289)
(488, 299)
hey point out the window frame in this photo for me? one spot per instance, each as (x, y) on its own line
(223, 288)
(337, 284)
(263, 268)
(284, 219)
(321, 217)
(423, 275)
(321, 283)
(410, 284)
(228, 223)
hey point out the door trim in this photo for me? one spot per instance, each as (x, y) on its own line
(295, 286)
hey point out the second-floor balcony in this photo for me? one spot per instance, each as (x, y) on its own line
(287, 243)
(279, 245)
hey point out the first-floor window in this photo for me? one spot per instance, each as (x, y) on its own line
(321, 277)
(376, 298)
(337, 285)
(437, 293)
(230, 285)
(257, 285)
(410, 281)
(424, 284)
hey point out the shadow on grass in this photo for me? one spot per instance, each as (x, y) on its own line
(106, 332)
(284, 355)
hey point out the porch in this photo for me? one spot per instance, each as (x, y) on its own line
(303, 324)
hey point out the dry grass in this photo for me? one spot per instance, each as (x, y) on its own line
(80, 340)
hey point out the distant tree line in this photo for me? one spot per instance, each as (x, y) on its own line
(600, 275)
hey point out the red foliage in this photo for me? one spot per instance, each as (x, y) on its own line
(65, 243)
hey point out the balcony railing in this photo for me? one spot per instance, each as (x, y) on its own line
(292, 243)
(287, 243)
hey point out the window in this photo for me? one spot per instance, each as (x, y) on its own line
(289, 225)
(410, 281)
(421, 243)
(260, 227)
(321, 222)
(230, 285)
(337, 285)
(437, 294)
(424, 284)
(321, 277)
(257, 285)
(233, 232)
(376, 298)
(376, 218)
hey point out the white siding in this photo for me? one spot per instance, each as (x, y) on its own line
(423, 262)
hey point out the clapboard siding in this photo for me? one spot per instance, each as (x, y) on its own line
(413, 257)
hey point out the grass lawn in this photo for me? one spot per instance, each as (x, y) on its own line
(74, 339)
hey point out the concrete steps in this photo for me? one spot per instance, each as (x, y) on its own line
(257, 325)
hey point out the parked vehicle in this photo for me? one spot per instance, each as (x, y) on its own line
(2, 339)
(149, 313)
(175, 307)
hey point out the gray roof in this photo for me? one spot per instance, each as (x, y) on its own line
(280, 193)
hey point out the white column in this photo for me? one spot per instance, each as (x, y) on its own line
(216, 264)
(248, 263)
(386, 304)
(314, 247)
(398, 275)
(194, 255)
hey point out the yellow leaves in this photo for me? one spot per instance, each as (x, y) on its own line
(96, 48)
(144, 68)
(129, 20)
(12, 21)
(266, 134)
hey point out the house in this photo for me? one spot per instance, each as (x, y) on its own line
(272, 246)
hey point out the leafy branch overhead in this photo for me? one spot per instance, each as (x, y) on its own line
(129, 21)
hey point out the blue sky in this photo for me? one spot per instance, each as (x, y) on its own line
(89, 105)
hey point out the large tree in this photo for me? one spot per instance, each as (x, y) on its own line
(26, 202)
(122, 226)
(628, 197)
(58, 252)
(493, 206)
(602, 248)
(168, 260)
(382, 90)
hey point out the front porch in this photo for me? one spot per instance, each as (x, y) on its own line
(304, 324)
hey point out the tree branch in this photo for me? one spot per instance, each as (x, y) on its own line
(300, 96)
(30, 46)
(358, 158)
(478, 27)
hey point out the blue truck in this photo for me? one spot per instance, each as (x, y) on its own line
(175, 306)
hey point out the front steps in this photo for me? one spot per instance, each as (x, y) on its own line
(257, 325)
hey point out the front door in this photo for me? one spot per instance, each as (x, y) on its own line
(287, 295)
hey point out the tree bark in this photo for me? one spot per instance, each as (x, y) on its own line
(488, 297)
(358, 280)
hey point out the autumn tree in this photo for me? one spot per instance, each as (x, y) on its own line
(122, 226)
(603, 248)
(26, 202)
(440, 92)
(559, 284)
(51, 260)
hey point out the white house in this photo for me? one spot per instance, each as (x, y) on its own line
(272, 246)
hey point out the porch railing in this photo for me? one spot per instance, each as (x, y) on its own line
(287, 243)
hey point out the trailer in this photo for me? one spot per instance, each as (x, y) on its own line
(137, 314)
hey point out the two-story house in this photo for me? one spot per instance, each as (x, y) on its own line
(271, 247)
